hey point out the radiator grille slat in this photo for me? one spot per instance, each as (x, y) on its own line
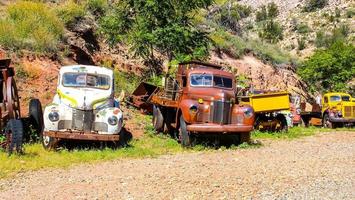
(221, 112)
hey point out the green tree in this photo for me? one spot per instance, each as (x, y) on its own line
(150, 26)
(329, 69)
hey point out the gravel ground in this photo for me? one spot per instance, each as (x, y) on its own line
(318, 167)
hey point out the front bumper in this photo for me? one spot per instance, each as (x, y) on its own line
(81, 136)
(341, 120)
(223, 129)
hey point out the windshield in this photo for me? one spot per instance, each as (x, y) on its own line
(345, 98)
(86, 80)
(209, 80)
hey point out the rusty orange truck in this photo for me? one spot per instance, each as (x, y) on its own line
(200, 100)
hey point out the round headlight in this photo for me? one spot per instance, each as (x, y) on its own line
(113, 120)
(248, 112)
(193, 109)
(53, 116)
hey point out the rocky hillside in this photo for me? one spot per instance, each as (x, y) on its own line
(81, 42)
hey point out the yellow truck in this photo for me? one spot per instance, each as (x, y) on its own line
(271, 109)
(337, 109)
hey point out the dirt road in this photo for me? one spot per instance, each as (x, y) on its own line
(318, 167)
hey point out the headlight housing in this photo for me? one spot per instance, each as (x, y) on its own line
(193, 110)
(248, 112)
(53, 116)
(113, 120)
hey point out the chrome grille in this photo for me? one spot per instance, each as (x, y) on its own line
(347, 111)
(82, 120)
(221, 112)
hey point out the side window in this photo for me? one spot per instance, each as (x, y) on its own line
(325, 99)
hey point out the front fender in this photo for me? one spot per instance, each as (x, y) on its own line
(104, 115)
(185, 106)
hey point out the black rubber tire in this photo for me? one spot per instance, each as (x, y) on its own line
(36, 116)
(158, 119)
(123, 139)
(283, 121)
(184, 135)
(326, 122)
(15, 127)
(49, 143)
(244, 137)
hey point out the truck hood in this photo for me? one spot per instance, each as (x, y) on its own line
(211, 94)
(85, 98)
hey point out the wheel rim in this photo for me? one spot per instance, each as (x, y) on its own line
(327, 123)
(13, 102)
(46, 140)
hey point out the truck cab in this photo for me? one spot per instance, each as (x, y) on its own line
(83, 107)
(201, 99)
(337, 108)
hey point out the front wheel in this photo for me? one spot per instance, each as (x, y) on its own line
(245, 137)
(49, 143)
(184, 134)
(326, 121)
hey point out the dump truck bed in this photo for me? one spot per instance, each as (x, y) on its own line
(269, 102)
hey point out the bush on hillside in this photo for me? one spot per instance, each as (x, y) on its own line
(261, 14)
(70, 12)
(327, 40)
(229, 15)
(97, 7)
(271, 31)
(32, 26)
(329, 69)
(236, 46)
(312, 5)
(270, 11)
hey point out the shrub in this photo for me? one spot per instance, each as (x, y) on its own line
(327, 40)
(32, 26)
(261, 14)
(273, 10)
(350, 13)
(329, 69)
(229, 15)
(70, 12)
(312, 5)
(97, 6)
(269, 12)
(271, 31)
(337, 12)
(321, 39)
(301, 43)
(302, 28)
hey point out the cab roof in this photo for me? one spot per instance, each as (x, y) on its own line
(336, 93)
(87, 69)
(209, 71)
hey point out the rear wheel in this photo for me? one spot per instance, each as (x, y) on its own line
(282, 123)
(158, 120)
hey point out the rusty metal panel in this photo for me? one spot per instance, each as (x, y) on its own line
(82, 136)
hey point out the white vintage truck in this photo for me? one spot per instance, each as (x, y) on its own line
(83, 108)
